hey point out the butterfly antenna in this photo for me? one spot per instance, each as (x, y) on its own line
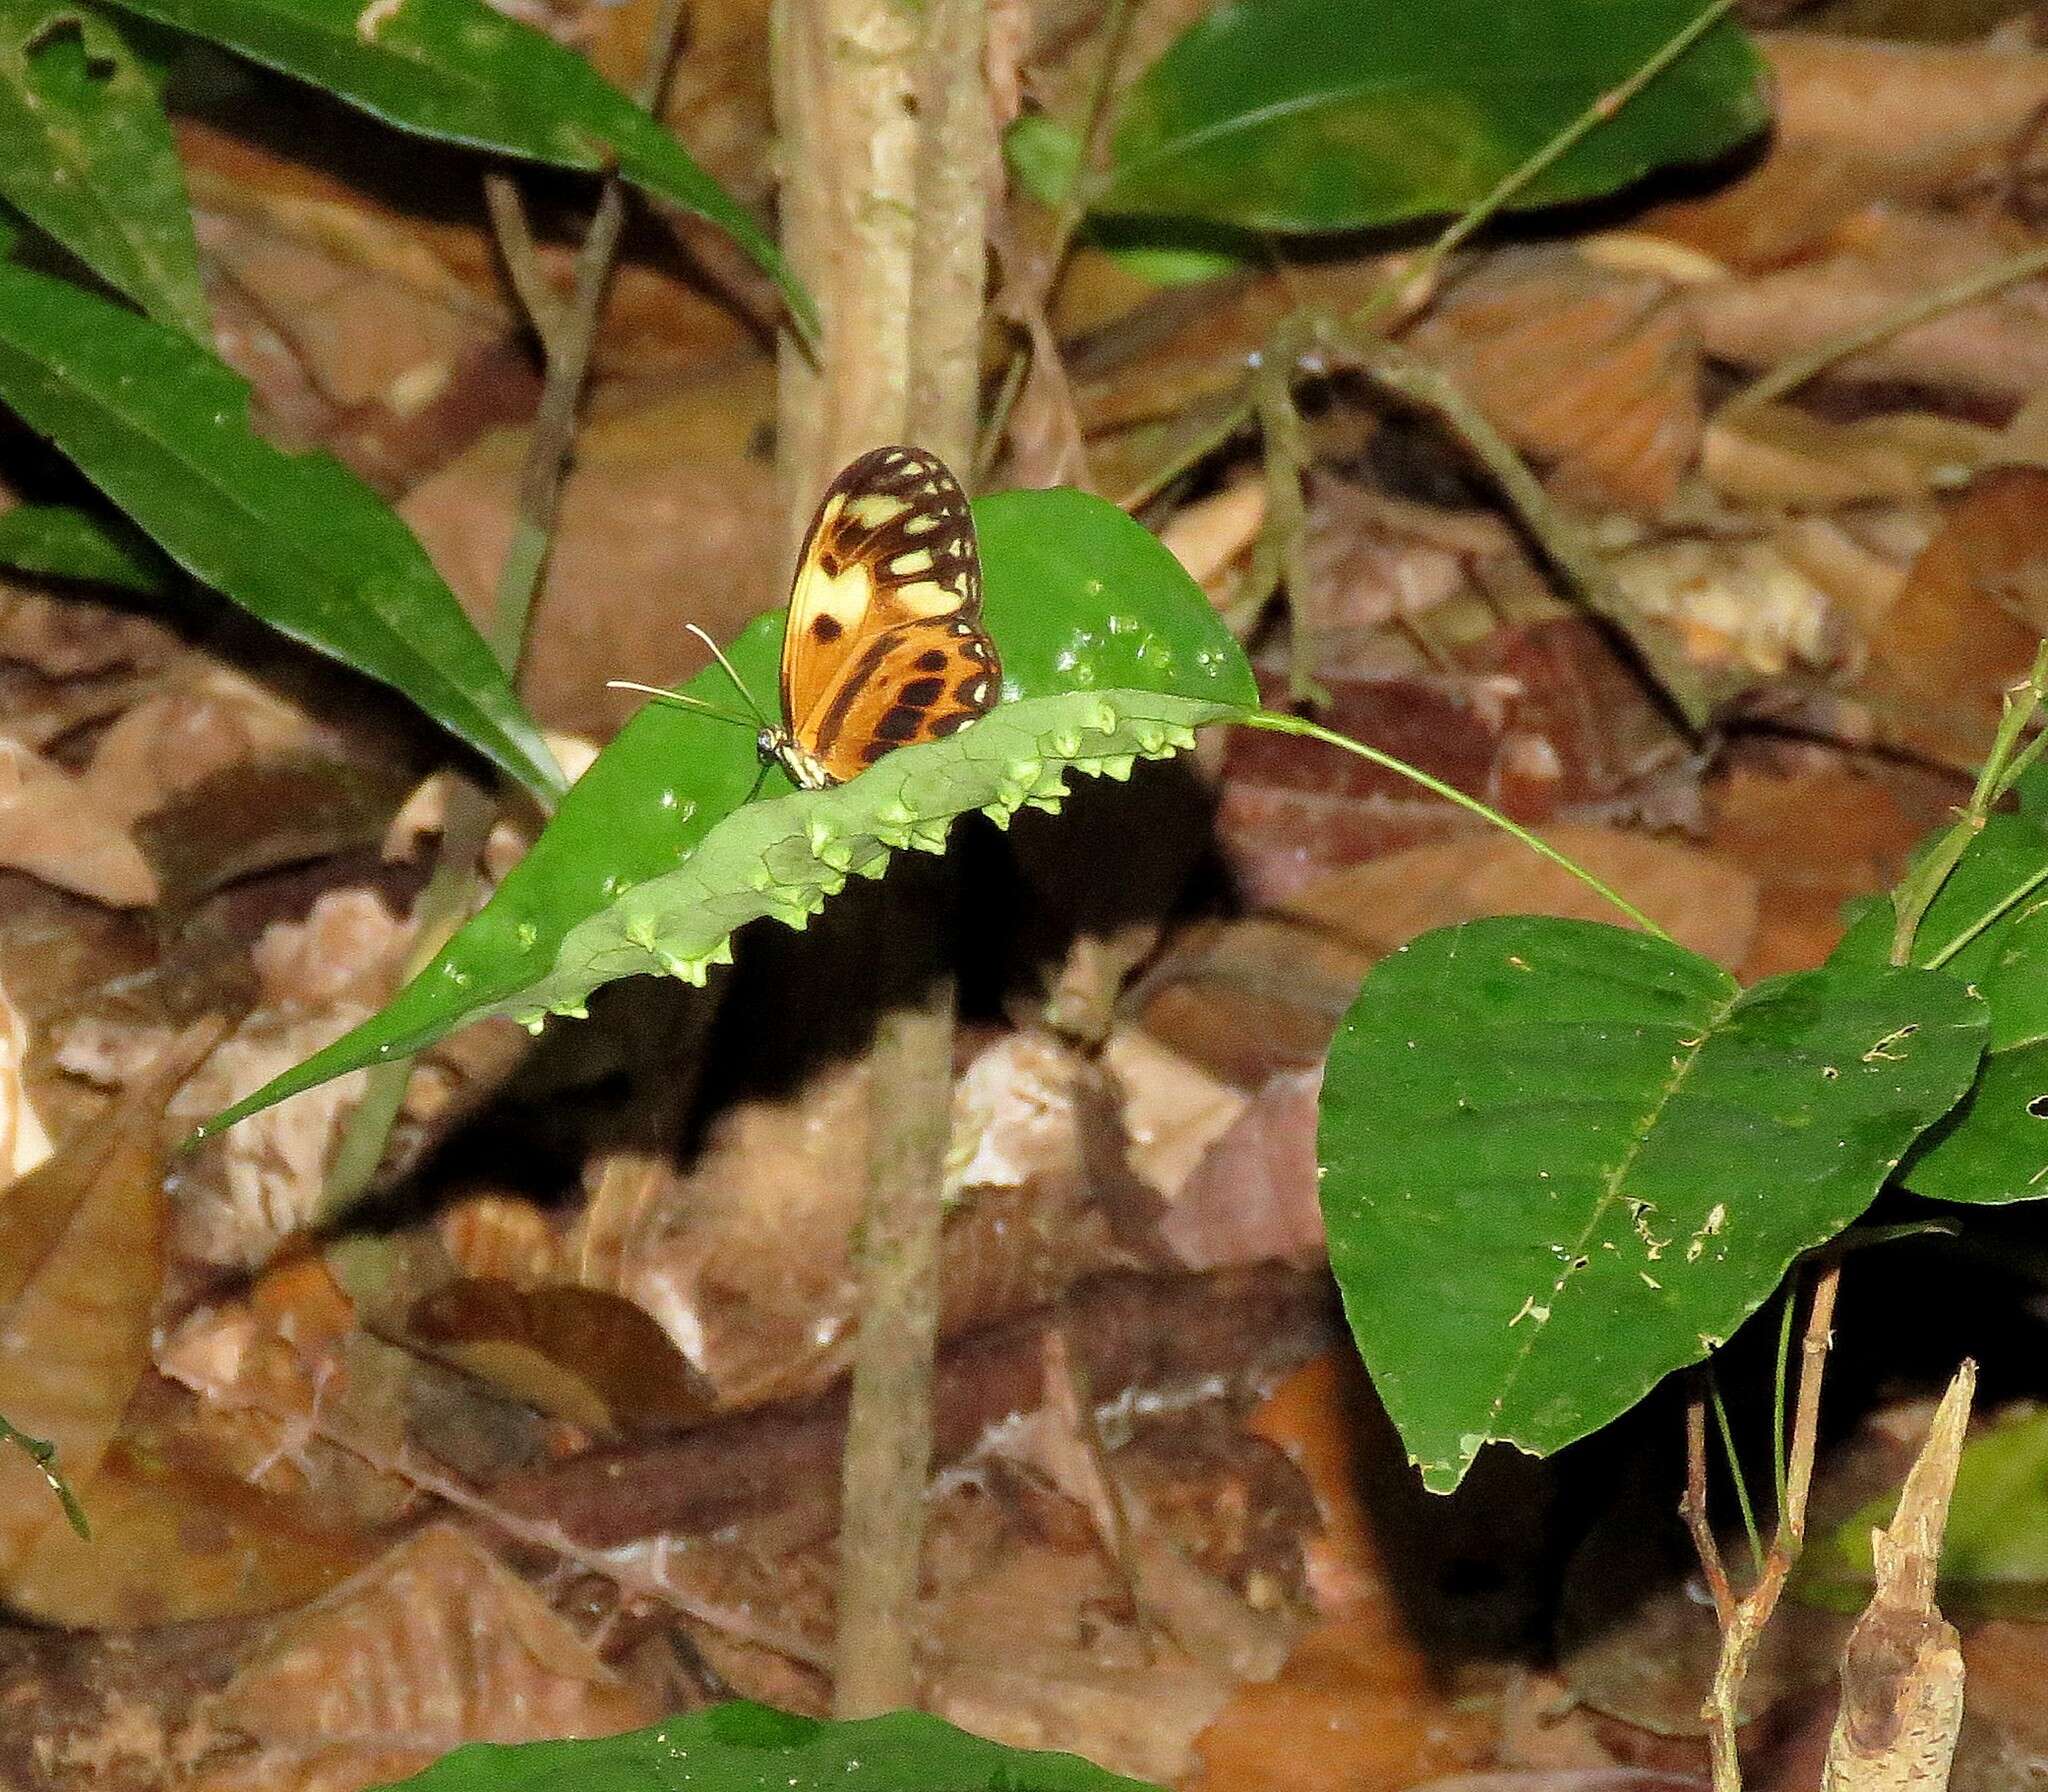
(732, 672)
(681, 700)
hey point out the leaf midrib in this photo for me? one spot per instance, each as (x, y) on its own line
(1325, 98)
(1609, 1194)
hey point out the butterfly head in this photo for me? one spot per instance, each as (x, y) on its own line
(778, 746)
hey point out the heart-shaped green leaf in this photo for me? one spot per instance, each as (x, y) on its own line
(1561, 1160)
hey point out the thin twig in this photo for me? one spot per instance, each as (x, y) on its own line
(1557, 534)
(1795, 370)
(545, 312)
(447, 895)
(1415, 282)
(1410, 286)
(1742, 1625)
(1693, 1509)
(1067, 220)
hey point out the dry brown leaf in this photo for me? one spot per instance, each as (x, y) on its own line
(1779, 455)
(1541, 721)
(1994, 351)
(1964, 627)
(1813, 830)
(1857, 122)
(434, 1645)
(177, 1538)
(1737, 606)
(1589, 370)
(578, 1354)
(73, 636)
(81, 1259)
(1204, 1615)
(52, 826)
(260, 1182)
(504, 1237)
(645, 541)
(1031, 1640)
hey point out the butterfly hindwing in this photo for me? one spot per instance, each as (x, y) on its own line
(884, 644)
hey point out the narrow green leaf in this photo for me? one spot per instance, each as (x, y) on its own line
(1301, 115)
(1987, 928)
(59, 541)
(457, 70)
(1110, 654)
(44, 1456)
(1561, 1160)
(1994, 1551)
(742, 1748)
(85, 151)
(163, 429)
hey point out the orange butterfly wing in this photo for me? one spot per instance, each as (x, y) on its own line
(884, 644)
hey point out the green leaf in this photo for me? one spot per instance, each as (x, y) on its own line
(1045, 156)
(743, 1748)
(1110, 653)
(1561, 1160)
(59, 541)
(85, 151)
(1987, 928)
(1994, 1553)
(163, 429)
(457, 70)
(44, 1456)
(1304, 115)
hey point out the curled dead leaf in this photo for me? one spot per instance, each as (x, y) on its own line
(81, 1259)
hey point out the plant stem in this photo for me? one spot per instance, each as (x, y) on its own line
(1273, 722)
(543, 306)
(1916, 891)
(1795, 370)
(1735, 1474)
(883, 112)
(1558, 535)
(567, 343)
(1073, 208)
(1742, 1620)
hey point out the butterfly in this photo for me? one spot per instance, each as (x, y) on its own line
(884, 645)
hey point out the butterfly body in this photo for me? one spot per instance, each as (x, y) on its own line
(884, 645)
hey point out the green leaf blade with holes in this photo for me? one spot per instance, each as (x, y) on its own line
(1988, 929)
(85, 151)
(744, 1747)
(1561, 1160)
(1302, 116)
(1110, 654)
(459, 71)
(163, 429)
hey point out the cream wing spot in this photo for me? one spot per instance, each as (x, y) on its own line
(874, 510)
(845, 597)
(916, 561)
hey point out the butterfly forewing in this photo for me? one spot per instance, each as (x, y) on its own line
(884, 644)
